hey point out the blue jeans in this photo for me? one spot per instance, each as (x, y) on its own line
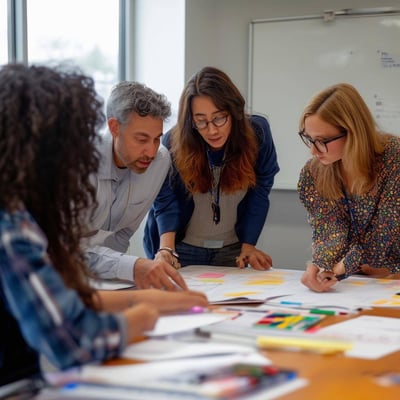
(193, 255)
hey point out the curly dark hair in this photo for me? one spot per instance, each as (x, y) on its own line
(49, 118)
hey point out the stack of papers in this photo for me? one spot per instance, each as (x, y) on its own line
(160, 380)
(372, 336)
(171, 349)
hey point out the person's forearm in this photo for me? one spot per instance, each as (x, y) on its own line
(167, 249)
(116, 301)
(396, 275)
(167, 239)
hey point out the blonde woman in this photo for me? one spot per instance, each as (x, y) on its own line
(350, 189)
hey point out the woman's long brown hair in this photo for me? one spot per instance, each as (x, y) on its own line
(189, 149)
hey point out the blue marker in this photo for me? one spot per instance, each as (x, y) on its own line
(291, 303)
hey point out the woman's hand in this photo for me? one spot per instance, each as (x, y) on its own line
(256, 258)
(169, 258)
(170, 301)
(317, 280)
(143, 316)
(163, 301)
(140, 318)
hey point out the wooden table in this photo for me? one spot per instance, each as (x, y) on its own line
(330, 377)
(336, 377)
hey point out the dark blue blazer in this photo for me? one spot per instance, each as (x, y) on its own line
(174, 206)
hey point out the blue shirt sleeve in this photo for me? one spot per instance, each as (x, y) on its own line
(170, 211)
(52, 318)
(253, 209)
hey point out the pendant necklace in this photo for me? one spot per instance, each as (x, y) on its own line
(216, 161)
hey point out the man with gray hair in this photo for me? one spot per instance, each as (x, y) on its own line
(132, 169)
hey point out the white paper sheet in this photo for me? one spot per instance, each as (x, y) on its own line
(104, 284)
(161, 349)
(278, 286)
(147, 374)
(135, 373)
(171, 324)
(372, 336)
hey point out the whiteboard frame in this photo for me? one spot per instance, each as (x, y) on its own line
(326, 16)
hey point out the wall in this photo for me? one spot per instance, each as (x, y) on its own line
(217, 33)
(335, 51)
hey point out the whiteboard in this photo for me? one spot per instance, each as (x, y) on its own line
(292, 59)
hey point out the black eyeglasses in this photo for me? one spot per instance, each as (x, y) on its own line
(320, 144)
(217, 121)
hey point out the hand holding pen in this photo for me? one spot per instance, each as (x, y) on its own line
(317, 280)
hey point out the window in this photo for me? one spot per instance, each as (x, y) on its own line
(110, 40)
(83, 33)
(159, 48)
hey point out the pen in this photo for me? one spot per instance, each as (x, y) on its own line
(323, 312)
(299, 310)
(337, 310)
(319, 345)
(291, 303)
(310, 310)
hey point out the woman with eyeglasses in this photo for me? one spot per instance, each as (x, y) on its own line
(350, 189)
(213, 206)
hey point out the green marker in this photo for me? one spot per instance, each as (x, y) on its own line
(324, 312)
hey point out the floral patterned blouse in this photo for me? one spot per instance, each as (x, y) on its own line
(362, 229)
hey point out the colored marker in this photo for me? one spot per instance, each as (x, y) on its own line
(291, 303)
(254, 370)
(198, 310)
(323, 312)
(319, 345)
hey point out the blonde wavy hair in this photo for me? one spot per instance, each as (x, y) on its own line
(341, 105)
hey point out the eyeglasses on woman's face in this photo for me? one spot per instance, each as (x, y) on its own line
(320, 144)
(218, 121)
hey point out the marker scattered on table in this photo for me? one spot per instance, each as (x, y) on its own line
(319, 345)
(198, 310)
